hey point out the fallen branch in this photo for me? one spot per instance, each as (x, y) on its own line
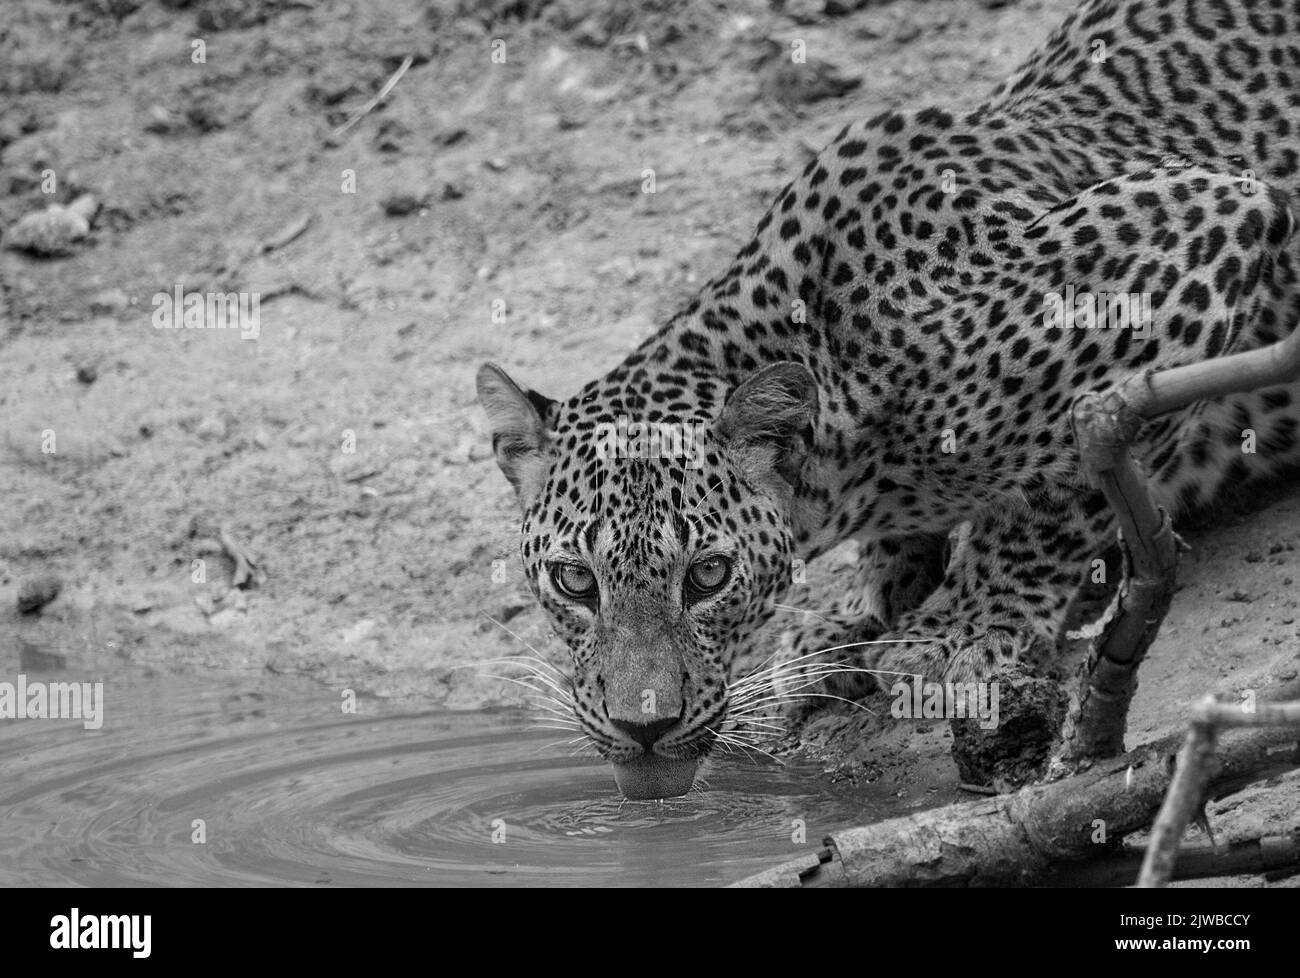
(1036, 834)
(1273, 855)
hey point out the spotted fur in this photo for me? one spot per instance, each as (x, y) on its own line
(875, 365)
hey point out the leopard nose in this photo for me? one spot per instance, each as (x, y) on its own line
(646, 734)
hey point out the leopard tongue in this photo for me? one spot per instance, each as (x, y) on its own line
(652, 776)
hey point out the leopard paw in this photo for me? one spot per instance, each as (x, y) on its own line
(825, 658)
(955, 652)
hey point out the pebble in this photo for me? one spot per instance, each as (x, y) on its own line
(401, 204)
(36, 592)
(54, 231)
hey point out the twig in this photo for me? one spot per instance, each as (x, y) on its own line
(290, 233)
(1098, 716)
(247, 574)
(369, 107)
(1196, 765)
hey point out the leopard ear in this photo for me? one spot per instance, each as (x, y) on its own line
(520, 435)
(769, 418)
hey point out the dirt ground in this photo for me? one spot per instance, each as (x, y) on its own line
(490, 208)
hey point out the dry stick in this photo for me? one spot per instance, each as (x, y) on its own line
(1025, 838)
(366, 109)
(1105, 425)
(1196, 763)
(1098, 714)
(286, 235)
(246, 573)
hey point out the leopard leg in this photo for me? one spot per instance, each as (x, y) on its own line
(1005, 594)
(895, 574)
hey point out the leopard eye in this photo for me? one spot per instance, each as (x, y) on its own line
(573, 580)
(708, 575)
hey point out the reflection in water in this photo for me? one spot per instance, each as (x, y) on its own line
(286, 788)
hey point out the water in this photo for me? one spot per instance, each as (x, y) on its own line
(290, 790)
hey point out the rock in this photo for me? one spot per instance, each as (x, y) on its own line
(109, 302)
(390, 135)
(212, 428)
(162, 122)
(359, 632)
(36, 592)
(54, 231)
(400, 204)
(792, 84)
(1015, 752)
(87, 373)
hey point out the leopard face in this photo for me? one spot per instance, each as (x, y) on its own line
(656, 545)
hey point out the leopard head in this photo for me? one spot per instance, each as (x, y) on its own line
(658, 531)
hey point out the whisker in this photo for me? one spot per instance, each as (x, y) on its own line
(531, 672)
(517, 638)
(842, 699)
(525, 684)
(746, 747)
(750, 722)
(834, 648)
(801, 611)
(814, 669)
(721, 739)
(557, 743)
(779, 690)
(697, 506)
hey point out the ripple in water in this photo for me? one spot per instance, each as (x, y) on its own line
(292, 791)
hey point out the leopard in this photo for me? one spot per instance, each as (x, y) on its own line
(889, 364)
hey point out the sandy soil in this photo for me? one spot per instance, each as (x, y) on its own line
(520, 234)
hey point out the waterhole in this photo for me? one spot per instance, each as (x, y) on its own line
(267, 781)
